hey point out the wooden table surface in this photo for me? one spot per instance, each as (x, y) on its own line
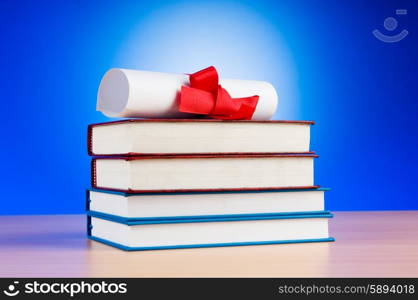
(368, 244)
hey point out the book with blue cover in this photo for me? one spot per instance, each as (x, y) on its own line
(149, 206)
(208, 232)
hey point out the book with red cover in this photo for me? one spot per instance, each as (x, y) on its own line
(185, 173)
(134, 137)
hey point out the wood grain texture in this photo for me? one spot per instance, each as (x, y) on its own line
(369, 244)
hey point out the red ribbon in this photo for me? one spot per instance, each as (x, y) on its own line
(205, 96)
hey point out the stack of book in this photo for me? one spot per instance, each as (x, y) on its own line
(170, 183)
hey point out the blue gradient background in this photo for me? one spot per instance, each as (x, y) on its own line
(321, 56)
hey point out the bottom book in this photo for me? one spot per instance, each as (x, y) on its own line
(199, 233)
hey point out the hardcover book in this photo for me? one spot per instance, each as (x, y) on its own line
(152, 206)
(204, 173)
(195, 233)
(197, 136)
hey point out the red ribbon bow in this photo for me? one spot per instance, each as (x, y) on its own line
(205, 96)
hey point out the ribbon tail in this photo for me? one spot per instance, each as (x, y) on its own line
(246, 109)
(224, 104)
(196, 101)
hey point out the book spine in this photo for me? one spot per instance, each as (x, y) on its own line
(89, 226)
(90, 140)
(87, 200)
(93, 173)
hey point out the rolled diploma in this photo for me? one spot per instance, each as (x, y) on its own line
(143, 94)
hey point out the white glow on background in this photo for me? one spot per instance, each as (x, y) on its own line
(237, 40)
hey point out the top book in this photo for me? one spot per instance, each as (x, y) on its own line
(197, 136)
